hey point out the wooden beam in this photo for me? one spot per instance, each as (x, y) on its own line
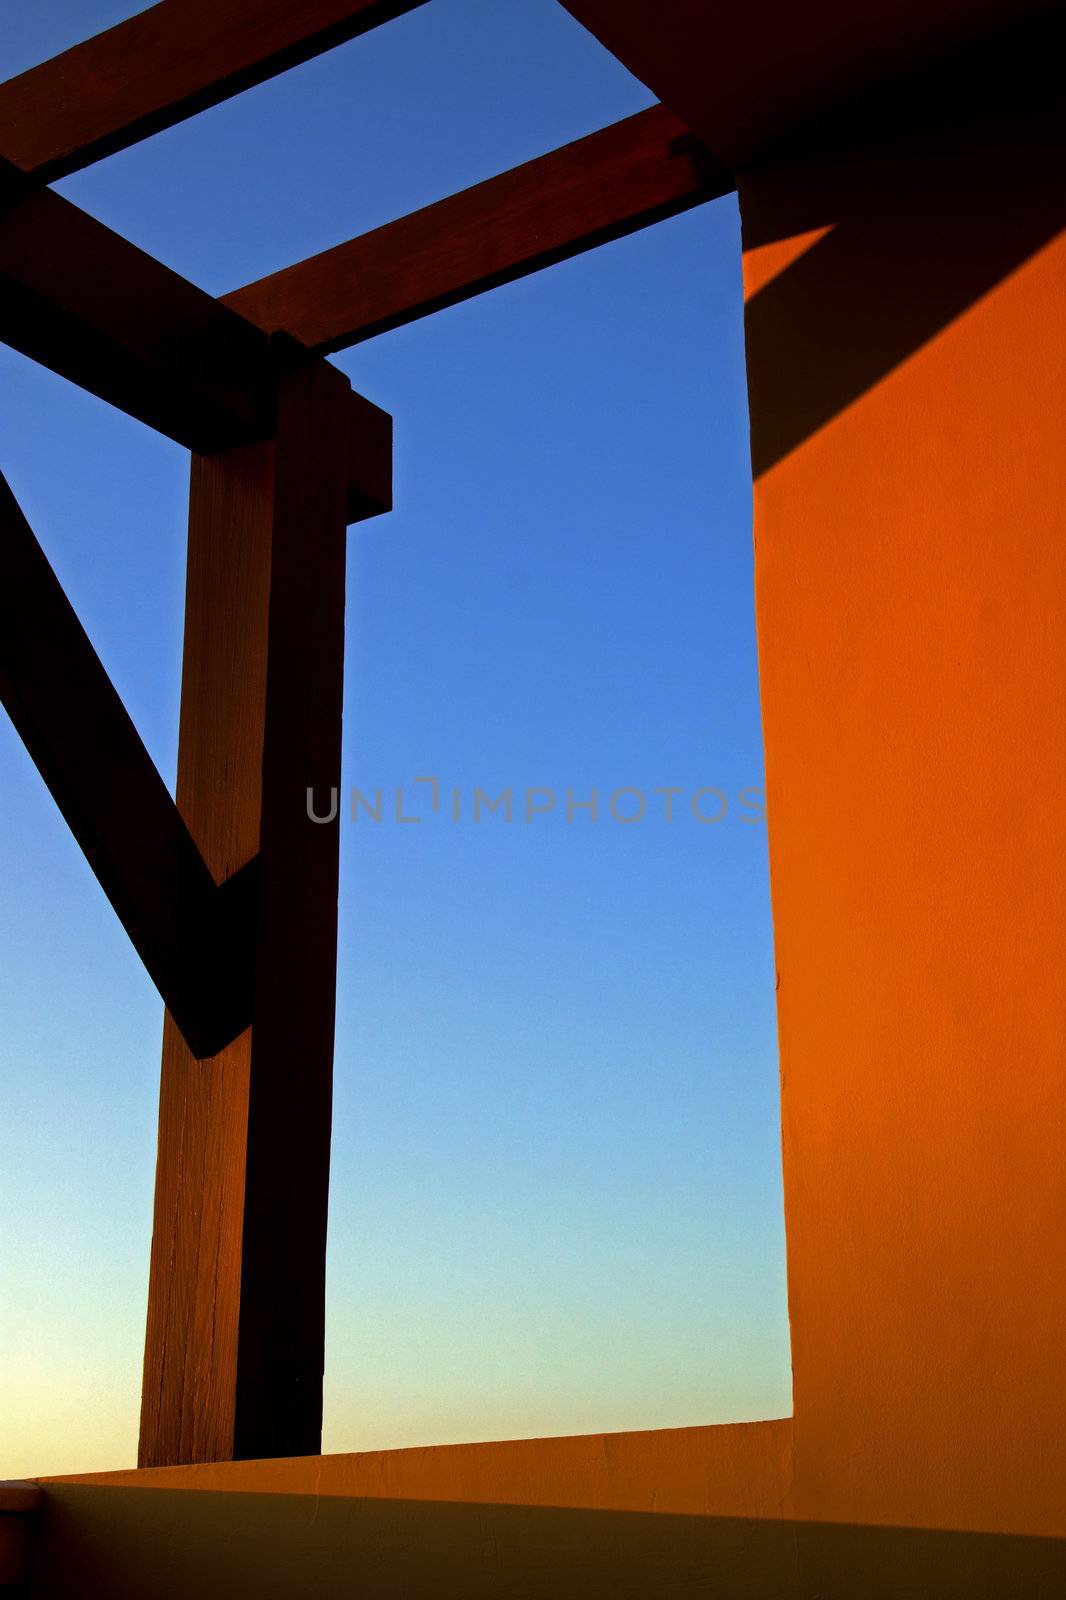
(233, 1359)
(196, 940)
(369, 459)
(751, 79)
(91, 306)
(599, 188)
(161, 66)
(94, 308)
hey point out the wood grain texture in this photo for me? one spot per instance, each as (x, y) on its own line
(195, 939)
(161, 66)
(613, 182)
(233, 1362)
(187, 1404)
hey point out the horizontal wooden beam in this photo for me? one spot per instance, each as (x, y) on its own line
(91, 306)
(161, 66)
(599, 188)
(196, 939)
(369, 459)
(85, 302)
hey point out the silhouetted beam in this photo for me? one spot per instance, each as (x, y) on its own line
(369, 459)
(197, 940)
(91, 306)
(747, 78)
(166, 64)
(611, 183)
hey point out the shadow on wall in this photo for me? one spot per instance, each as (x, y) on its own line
(118, 1542)
(907, 185)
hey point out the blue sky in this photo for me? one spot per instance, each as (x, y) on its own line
(556, 1194)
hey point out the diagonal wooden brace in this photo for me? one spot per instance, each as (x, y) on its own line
(195, 937)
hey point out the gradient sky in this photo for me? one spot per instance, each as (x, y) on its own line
(556, 1192)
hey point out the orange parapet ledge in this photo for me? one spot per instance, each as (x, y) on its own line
(649, 1513)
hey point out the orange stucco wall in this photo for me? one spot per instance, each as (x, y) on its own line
(911, 606)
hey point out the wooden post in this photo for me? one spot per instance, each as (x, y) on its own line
(234, 1350)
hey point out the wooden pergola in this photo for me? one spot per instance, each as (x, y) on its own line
(229, 895)
(899, 172)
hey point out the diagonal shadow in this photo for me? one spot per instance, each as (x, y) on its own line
(934, 196)
(129, 1543)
